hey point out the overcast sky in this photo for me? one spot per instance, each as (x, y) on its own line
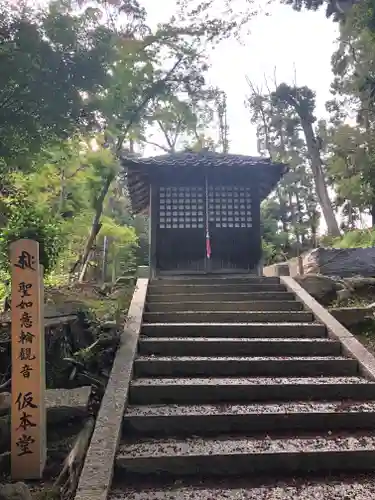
(298, 44)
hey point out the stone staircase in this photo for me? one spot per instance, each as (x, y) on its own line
(234, 384)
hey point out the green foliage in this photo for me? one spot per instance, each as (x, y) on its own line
(290, 216)
(52, 58)
(355, 239)
(351, 149)
(270, 252)
(4, 288)
(335, 8)
(27, 222)
(82, 87)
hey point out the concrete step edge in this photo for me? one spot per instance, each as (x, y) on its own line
(208, 302)
(229, 317)
(248, 381)
(245, 359)
(216, 297)
(213, 389)
(238, 340)
(233, 317)
(244, 324)
(154, 448)
(283, 313)
(219, 286)
(194, 366)
(245, 409)
(259, 303)
(270, 279)
(354, 488)
(279, 293)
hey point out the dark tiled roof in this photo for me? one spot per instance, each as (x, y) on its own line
(268, 173)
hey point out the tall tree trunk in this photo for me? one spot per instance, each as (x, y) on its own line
(366, 106)
(96, 224)
(300, 217)
(62, 190)
(283, 205)
(314, 234)
(95, 227)
(283, 210)
(114, 268)
(294, 220)
(351, 222)
(373, 214)
(320, 182)
(223, 122)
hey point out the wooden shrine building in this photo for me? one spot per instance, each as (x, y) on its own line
(204, 209)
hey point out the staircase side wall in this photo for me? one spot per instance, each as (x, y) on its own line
(96, 476)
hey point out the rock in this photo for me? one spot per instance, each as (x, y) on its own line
(59, 403)
(143, 272)
(322, 288)
(16, 491)
(117, 294)
(351, 316)
(282, 269)
(325, 289)
(124, 280)
(343, 295)
(109, 325)
(63, 406)
(361, 285)
(342, 262)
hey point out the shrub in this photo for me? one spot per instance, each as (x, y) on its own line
(359, 238)
(29, 222)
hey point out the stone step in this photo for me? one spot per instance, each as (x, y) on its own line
(248, 488)
(219, 297)
(238, 330)
(219, 288)
(259, 305)
(246, 366)
(230, 455)
(246, 389)
(214, 280)
(228, 317)
(211, 346)
(217, 419)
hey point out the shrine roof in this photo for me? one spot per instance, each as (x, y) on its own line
(139, 171)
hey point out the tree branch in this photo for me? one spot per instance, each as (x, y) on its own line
(78, 169)
(165, 132)
(178, 128)
(167, 150)
(149, 95)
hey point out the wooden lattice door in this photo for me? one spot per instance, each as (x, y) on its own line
(181, 228)
(229, 207)
(230, 226)
(181, 208)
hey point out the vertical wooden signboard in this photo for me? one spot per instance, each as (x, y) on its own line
(28, 450)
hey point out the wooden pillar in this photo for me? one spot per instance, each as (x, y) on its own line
(28, 418)
(257, 230)
(153, 218)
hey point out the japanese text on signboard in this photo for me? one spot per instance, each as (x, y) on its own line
(26, 354)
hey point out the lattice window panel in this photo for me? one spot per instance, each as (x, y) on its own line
(181, 207)
(229, 206)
